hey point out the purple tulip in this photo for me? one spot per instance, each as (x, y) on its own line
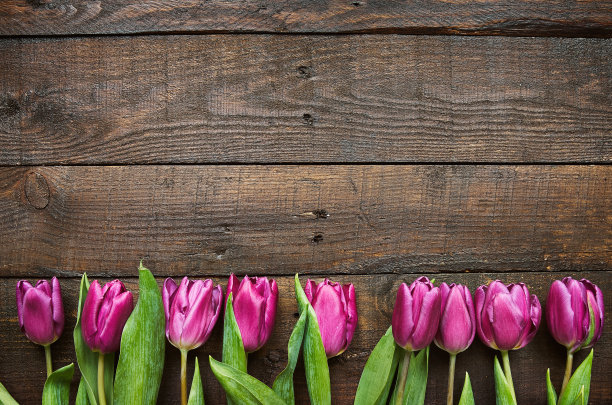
(105, 312)
(457, 322)
(40, 310)
(416, 314)
(507, 316)
(336, 312)
(254, 302)
(192, 309)
(567, 313)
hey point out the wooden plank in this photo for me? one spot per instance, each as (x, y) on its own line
(531, 17)
(270, 99)
(23, 362)
(209, 220)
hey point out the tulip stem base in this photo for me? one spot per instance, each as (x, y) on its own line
(101, 391)
(402, 380)
(508, 372)
(183, 377)
(48, 359)
(451, 379)
(568, 369)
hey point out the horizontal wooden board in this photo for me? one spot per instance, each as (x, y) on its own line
(327, 99)
(513, 17)
(22, 370)
(210, 220)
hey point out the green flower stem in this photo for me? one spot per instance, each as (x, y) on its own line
(402, 381)
(101, 393)
(451, 379)
(183, 377)
(508, 372)
(48, 359)
(568, 369)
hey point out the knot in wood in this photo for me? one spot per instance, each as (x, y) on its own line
(37, 190)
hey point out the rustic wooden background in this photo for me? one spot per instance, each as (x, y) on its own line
(369, 141)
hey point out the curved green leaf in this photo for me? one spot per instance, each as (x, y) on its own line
(243, 388)
(416, 383)
(315, 359)
(503, 392)
(143, 345)
(82, 396)
(580, 380)
(551, 395)
(57, 386)
(87, 360)
(5, 397)
(467, 395)
(382, 362)
(283, 385)
(196, 393)
(233, 348)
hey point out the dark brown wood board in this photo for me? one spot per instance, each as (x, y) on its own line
(25, 372)
(513, 17)
(303, 99)
(308, 219)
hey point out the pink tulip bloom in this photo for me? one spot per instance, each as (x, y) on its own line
(457, 322)
(191, 309)
(336, 312)
(105, 312)
(507, 316)
(40, 310)
(416, 314)
(567, 313)
(254, 302)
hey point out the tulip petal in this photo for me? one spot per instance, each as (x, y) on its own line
(22, 287)
(110, 335)
(196, 319)
(232, 287)
(270, 312)
(402, 322)
(351, 321)
(483, 324)
(506, 320)
(217, 295)
(168, 291)
(427, 323)
(456, 329)
(535, 315)
(560, 314)
(89, 317)
(328, 306)
(57, 307)
(309, 290)
(37, 317)
(249, 309)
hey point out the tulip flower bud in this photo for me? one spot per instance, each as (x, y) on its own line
(105, 312)
(457, 321)
(192, 309)
(40, 310)
(254, 302)
(416, 314)
(507, 316)
(567, 313)
(336, 311)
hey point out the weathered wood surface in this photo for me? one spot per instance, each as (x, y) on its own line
(513, 17)
(328, 99)
(210, 220)
(23, 368)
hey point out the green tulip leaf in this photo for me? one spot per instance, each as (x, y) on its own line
(143, 346)
(283, 385)
(87, 359)
(503, 392)
(580, 398)
(315, 359)
(57, 386)
(242, 388)
(382, 362)
(233, 348)
(580, 381)
(196, 393)
(416, 383)
(551, 394)
(5, 397)
(82, 396)
(467, 395)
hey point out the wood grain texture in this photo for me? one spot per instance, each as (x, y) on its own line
(513, 17)
(210, 220)
(326, 99)
(23, 362)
